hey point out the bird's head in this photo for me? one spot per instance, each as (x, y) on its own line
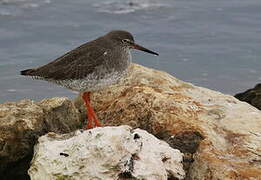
(126, 39)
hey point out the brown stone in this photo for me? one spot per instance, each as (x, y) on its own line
(219, 134)
(23, 122)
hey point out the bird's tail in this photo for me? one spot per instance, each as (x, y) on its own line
(27, 72)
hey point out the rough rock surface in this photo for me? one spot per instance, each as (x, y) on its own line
(220, 135)
(22, 123)
(251, 96)
(105, 153)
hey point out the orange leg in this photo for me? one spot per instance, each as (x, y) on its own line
(90, 112)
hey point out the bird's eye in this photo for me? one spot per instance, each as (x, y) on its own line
(125, 40)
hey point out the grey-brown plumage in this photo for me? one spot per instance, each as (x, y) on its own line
(92, 66)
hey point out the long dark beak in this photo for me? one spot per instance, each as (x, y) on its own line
(136, 46)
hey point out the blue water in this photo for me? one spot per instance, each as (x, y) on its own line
(215, 44)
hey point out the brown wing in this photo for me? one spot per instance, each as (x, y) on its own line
(75, 64)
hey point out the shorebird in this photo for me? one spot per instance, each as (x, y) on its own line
(90, 67)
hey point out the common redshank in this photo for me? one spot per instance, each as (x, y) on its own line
(92, 66)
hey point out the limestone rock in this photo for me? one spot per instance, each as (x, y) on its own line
(251, 96)
(20, 125)
(220, 135)
(105, 153)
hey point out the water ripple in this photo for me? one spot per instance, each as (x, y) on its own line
(15, 7)
(125, 7)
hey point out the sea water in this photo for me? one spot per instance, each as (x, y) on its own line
(214, 44)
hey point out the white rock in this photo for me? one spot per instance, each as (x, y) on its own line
(105, 153)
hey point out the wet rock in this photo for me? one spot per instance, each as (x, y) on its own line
(251, 96)
(21, 123)
(219, 135)
(105, 153)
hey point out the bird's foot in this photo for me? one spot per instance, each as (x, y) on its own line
(92, 122)
(89, 124)
(97, 123)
